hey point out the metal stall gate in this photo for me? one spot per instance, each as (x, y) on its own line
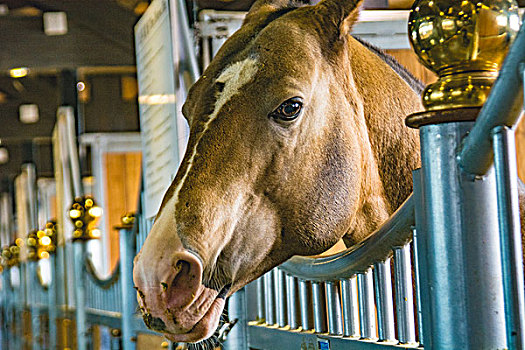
(444, 272)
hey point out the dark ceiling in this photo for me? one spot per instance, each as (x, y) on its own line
(98, 48)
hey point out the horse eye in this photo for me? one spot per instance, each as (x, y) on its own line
(288, 110)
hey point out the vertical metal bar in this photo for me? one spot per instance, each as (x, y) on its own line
(33, 308)
(333, 298)
(281, 299)
(187, 42)
(79, 280)
(126, 239)
(305, 301)
(206, 52)
(464, 293)
(319, 305)
(238, 337)
(293, 310)
(269, 292)
(260, 300)
(510, 234)
(384, 301)
(404, 295)
(366, 305)
(419, 309)
(350, 307)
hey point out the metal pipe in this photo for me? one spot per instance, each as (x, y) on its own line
(510, 234)
(384, 301)
(305, 301)
(126, 240)
(35, 312)
(366, 305)
(503, 107)
(80, 299)
(378, 246)
(66, 124)
(269, 292)
(463, 282)
(419, 309)
(281, 298)
(189, 48)
(319, 305)
(350, 307)
(260, 300)
(333, 298)
(237, 338)
(404, 295)
(293, 302)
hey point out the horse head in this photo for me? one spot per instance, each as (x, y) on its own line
(286, 156)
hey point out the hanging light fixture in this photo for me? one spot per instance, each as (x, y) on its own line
(28, 113)
(4, 154)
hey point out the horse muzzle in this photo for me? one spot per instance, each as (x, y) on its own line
(171, 295)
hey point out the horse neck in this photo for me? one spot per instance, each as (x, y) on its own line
(386, 100)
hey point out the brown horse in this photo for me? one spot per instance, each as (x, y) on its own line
(297, 140)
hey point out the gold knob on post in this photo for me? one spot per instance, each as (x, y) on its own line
(464, 43)
(84, 213)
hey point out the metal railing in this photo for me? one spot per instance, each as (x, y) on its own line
(383, 293)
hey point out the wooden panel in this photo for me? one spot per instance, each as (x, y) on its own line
(122, 191)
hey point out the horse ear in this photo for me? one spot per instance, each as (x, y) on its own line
(267, 7)
(342, 13)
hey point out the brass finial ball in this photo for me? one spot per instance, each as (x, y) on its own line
(465, 43)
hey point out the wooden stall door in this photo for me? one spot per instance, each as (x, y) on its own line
(122, 192)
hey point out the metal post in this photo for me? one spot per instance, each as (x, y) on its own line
(419, 309)
(293, 302)
(33, 308)
(269, 291)
(384, 301)
(237, 338)
(79, 248)
(260, 300)
(404, 295)
(366, 305)
(350, 307)
(333, 298)
(52, 303)
(126, 239)
(280, 297)
(319, 305)
(510, 234)
(461, 266)
(305, 300)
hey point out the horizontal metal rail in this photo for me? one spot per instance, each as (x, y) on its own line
(103, 283)
(395, 232)
(502, 108)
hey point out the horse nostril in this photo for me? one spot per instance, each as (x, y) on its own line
(180, 286)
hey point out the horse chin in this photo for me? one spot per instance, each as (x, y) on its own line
(204, 328)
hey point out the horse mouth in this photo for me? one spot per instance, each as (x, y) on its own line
(199, 321)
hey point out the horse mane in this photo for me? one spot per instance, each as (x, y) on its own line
(408, 77)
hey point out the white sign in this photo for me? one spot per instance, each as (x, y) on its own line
(159, 102)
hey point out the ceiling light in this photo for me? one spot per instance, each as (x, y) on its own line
(4, 155)
(18, 72)
(55, 23)
(81, 86)
(28, 113)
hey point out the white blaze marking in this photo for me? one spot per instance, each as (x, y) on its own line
(234, 77)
